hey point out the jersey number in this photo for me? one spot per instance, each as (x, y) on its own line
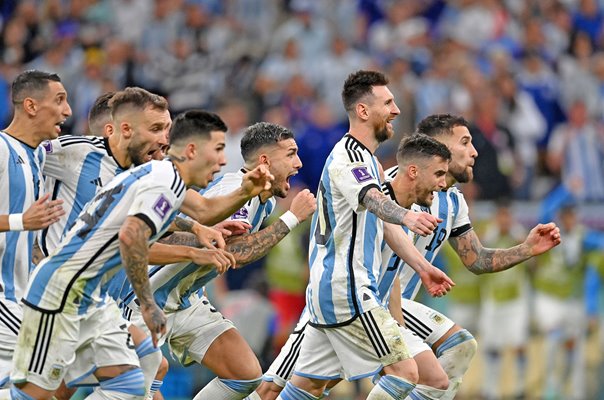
(105, 198)
(437, 239)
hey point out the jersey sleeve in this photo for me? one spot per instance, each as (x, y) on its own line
(157, 201)
(353, 179)
(4, 157)
(461, 222)
(54, 165)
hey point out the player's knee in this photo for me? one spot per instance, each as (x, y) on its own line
(406, 369)
(249, 370)
(130, 383)
(265, 388)
(243, 386)
(456, 353)
(162, 371)
(437, 381)
(17, 394)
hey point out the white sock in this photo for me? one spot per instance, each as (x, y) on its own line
(216, 390)
(426, 392)
(455, 355)
(391, 387)
(150, 360)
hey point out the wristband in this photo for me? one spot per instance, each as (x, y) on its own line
(15, 222)
(289, 219)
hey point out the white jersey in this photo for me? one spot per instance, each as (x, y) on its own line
(75, 276)
(345, 240)
(21, 184)
(448, 205)
(76, 168)
(175, 286)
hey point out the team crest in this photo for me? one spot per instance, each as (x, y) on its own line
(361, 174)
(437, 318)
(162, 206)
(55, 372)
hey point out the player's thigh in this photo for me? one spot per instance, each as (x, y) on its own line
(11, 315)
(430, 325)
(430, 371)
(230, 357)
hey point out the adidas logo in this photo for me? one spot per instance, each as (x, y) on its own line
(20, 160)
(97, 182)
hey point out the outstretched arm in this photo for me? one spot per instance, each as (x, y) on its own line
(210, 211)
(480, 260)
(388, 211)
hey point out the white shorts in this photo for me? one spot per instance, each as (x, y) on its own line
(11, 315)
(504, 324)
(428, 324)
(354, 351)
(189, 332)
(282, 368)
(565, 315)
(53, 347)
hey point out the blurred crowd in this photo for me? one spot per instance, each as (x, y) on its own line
(529, 75)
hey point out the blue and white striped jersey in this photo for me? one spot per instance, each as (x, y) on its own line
(76, 168)
(345, 241)
(76, 275)
(451, 207)
(174, 286)
(22, 184)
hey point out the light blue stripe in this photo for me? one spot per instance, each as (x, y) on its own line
(197, 286)
(131, 382)
(326, 305)
(211, 185)
(453, 340)
(76, 381)
(397, 388)
(369, 251)
(242, 386)
(162, 293)
(145, 348)
(85, 189)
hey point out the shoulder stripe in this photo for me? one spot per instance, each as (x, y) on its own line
(392, 173)
(98, 145)
(353, 154)
(180, 188)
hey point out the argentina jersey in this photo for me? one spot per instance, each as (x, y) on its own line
(21, 183)
(76, 168)
(451, 207)
(74, 277)
(345, 239)
(175, 286)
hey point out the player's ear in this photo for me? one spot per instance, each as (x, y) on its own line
(362, 111)
(30, 105)
(264, 160)
(125, 129)
(412, 171)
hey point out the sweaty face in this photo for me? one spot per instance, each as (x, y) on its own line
(382, 111)
(431, 178)
(52, 111)
(463, 154)
(284, 163)
(149, 134)
(209, 158)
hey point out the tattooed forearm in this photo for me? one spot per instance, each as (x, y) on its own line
(253, 246)
(481, 260)
(386, 209)
(181, 239)
(182, 224)
(134, 250)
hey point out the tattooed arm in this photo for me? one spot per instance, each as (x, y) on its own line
(387, 210)
(207, 237)
(134, 250)
(480, 260)
(253, 246)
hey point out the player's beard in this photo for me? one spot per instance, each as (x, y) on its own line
(381, 135)
(462, 176)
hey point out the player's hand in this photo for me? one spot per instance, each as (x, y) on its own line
(436, 282)
(221, 259)
(256, 181)
(303, 205)
(231, 227)
(542, 238)
(42, 213)
(155, 320)
(208, 237)
(421, 223)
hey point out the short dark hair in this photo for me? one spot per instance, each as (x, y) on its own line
(100, 110)
(440, 124)
(31, 83)
(359, 84)
(262, 134)
(136, 97)
(420, 146)
(195, 123)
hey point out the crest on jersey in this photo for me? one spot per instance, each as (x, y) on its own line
(437, 318)
(242, 213)
(47, 144)
(162, 206)
(55, 372)
(361, 174)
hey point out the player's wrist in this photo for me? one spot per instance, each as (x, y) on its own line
(289, 219)
(15, 222)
